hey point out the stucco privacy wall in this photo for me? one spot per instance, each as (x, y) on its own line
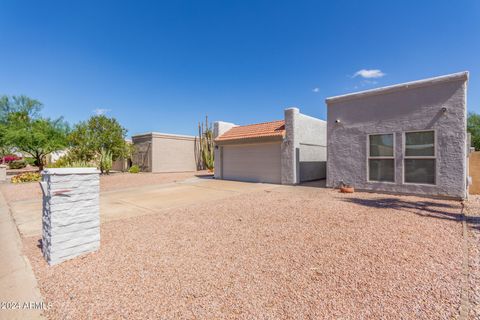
(160, 152)
(219, 128)
(71, 217)
(3, 172)
(407, 107)
(304, 149)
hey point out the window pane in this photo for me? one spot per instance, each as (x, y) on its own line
(419, 144)
(381, 145)
(381, 170)
(420, 171)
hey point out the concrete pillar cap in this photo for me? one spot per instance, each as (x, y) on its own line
(62, 171)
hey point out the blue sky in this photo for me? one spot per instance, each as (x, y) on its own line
(161, 66)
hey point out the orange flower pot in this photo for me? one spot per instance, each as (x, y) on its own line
(347, 189)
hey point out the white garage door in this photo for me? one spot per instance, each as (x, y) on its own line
(253, 162)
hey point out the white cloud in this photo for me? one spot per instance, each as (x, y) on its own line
(368, 74)
(316, 90)
(101, 111)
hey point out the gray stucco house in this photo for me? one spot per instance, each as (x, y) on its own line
(409, 138)
(287, 151)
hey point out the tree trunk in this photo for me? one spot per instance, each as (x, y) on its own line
(39, 160)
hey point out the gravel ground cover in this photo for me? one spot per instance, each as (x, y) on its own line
(114, 181)
(289, 253)
(474, 273)
(473, 218)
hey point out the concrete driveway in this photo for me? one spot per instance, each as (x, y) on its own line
(133, 202)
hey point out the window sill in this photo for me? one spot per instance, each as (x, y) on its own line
(419, 184)
(382, 182)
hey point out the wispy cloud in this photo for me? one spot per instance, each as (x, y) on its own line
(367, 82)
(369, 74)
(101, 111)
(316, 90)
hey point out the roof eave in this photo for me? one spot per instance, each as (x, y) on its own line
(161, 134)
(399, 87)
(250, 140)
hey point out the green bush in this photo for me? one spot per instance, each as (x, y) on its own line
(134, 169)
(30, 161)
(71, 164)
(62, 162)
(17, 164)
(67, 161)
(26, 177)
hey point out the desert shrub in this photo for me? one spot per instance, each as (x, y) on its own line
(134, 169)
(26, 177)
(17, 164)
(69, 161)
(71, 164)
(62, 162)
(80, 164)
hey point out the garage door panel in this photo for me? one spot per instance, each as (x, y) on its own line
(255, 162)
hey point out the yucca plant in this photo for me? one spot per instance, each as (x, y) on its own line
(105, 161)
(205, 134)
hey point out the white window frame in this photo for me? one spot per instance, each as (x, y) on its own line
(434, 157)
(381, 157)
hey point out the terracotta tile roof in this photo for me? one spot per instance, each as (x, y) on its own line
(252, 131)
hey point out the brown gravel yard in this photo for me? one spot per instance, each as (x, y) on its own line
(114, 181)
(473, 218)
(288, 253)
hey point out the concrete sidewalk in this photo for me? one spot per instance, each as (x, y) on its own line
(19, 294)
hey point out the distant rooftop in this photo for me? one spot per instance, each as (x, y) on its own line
(153, 133)
(253, 131)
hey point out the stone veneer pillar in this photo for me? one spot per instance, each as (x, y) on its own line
(3, 172)
(71, 219)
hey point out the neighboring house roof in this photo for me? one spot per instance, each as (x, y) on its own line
(254, 131)
(150, 135)
(402, 86)
(154, 133)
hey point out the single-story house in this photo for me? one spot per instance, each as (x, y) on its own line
(162, 152)
(287, 151)
(409, 138)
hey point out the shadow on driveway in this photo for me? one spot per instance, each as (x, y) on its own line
(205, 176)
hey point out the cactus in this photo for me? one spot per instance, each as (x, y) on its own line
(205, 134)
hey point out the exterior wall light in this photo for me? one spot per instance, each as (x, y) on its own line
(444, 110)
(337, 121)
